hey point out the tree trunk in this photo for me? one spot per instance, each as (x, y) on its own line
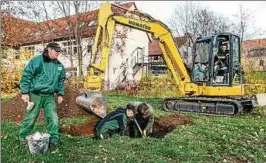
(80, 58)
(78, 39)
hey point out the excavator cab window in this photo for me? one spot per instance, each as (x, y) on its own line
(201, 64)
(236, 62)
(217, 61)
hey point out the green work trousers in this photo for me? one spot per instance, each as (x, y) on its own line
(48, 103)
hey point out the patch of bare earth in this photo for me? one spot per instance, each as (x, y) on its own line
(15, 109)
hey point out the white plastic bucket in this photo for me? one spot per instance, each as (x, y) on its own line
(39, 146)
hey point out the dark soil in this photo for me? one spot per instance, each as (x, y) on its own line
(161, 127)
(167, 124)
(15, 109)
(85, 129)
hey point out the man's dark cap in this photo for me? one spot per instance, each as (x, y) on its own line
(54, 46)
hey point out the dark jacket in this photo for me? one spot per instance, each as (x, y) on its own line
(43, 76)
(112, 121)
(145, 121)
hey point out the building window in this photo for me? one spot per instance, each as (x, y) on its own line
(261, 62)
(75, 50)
(158, 70)
(69, 48)
(17, 56)
(30, 49)
(69, 43)
(257, 51)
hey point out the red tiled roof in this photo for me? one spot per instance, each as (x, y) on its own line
(15, 30)
(249, 45)
(154, 48)
(59, 27)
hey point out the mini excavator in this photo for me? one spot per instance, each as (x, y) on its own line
(213, 86)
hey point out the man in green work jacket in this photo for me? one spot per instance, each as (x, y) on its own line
(42, 78)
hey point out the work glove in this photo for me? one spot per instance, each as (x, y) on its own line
(25, 97)
(59, 99)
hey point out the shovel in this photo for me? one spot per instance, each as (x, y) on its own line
(259, 100)
(141, 132)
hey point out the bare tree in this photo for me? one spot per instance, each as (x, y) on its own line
(190, 17)
(181, 21)
(244, 24)
(210, 23)
(243, 18)
(193, 20)
(224, 24)
(6, 6)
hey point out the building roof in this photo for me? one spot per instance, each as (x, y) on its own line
(249, 46)
(53, 29)
(154, 48)
(14, 30)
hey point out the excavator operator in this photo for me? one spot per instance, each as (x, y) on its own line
(220, 60)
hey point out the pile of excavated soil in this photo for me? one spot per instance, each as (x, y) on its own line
(15, 109)
(161, 127)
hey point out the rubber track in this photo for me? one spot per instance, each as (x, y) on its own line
(235, 102)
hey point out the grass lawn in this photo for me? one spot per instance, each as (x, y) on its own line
(211, 139)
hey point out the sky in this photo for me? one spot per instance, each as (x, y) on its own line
(163, 9)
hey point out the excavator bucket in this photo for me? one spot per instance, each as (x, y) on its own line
(259, 100)
(93, 102)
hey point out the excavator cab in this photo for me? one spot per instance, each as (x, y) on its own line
(217, 61)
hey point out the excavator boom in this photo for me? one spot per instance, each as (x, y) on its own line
(196, 96)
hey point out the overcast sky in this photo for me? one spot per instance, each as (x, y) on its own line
(163, 9)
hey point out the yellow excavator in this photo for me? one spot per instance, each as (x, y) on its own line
(212, 86)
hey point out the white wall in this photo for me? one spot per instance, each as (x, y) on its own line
(65, 60)
(118, 61)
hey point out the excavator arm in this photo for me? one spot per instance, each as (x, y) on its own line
(104, 37)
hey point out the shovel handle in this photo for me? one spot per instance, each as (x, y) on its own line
(141, 132)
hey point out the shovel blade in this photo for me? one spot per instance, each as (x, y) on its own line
(259, 100)
(94, 102)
